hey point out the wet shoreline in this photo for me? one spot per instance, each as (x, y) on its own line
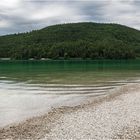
(38, 127)
(20, 101)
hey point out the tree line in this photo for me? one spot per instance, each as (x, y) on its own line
(79, 40)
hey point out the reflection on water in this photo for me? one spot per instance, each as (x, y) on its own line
(70, 72)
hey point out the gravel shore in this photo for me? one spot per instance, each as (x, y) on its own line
(116, 116)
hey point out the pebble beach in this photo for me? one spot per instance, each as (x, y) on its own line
(115, 116)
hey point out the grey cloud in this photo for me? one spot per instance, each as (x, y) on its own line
(35, 14)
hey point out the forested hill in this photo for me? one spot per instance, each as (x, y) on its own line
(77, 40)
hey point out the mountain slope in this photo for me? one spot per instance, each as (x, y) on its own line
(84, 40)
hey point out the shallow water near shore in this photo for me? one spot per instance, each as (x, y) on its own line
(31, 88)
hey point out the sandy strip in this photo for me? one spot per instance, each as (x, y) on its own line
(116, 116)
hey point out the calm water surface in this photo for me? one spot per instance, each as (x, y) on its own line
(70, 72)
(30, 88)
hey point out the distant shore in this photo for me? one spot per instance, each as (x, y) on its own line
(63, 59)
(114, 116)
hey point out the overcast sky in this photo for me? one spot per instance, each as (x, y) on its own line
(26, 15)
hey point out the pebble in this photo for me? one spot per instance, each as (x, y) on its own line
(115, 119)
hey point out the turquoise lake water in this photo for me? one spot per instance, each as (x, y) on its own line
(70, 72)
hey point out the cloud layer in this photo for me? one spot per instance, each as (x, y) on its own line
(26, 15)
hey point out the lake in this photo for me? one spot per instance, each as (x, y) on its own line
(31, 88)
(70, 72)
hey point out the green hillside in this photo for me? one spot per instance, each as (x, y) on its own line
(77, 40)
